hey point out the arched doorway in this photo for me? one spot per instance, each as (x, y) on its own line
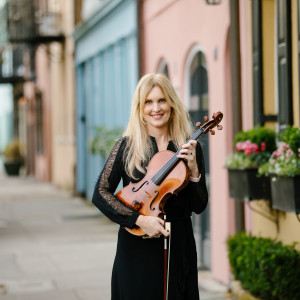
(198, 104)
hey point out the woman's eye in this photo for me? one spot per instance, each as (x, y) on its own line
(162, 100)
(147, 101)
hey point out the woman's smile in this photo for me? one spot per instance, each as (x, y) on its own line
(157, 110)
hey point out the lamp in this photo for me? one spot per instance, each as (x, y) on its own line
(213, 2)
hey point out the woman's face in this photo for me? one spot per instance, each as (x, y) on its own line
(157, 110)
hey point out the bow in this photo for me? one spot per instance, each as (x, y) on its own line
(166, 258)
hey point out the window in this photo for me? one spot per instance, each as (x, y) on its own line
(39, 122)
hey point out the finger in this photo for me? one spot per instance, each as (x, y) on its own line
(164, 232)
(193, 143)
(162, 229)
(161, 221)
(187, 152)
(184, 146)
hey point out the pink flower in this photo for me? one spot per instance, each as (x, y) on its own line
(248, 151)
(254, 148)
(239, 146)
(263, 146)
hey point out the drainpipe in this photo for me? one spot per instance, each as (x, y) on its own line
(235, 61)
(139, 7)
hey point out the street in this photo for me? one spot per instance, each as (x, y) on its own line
(57, 246)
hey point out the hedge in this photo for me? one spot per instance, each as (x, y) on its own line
(266, 268)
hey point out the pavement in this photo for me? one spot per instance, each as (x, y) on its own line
(56, 246)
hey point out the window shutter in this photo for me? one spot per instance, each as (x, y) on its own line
(285, 101)
(298, 16)
(257, 62)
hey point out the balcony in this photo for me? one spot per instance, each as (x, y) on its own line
(28, 23)
(16, 64)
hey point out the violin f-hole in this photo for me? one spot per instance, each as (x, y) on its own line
(134, 190)
(153, 208)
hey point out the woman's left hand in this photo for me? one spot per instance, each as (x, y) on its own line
(188, 152)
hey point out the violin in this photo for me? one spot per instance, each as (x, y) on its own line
(166, 175)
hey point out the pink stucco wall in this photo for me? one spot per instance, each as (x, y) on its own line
(246, 81)
(172, 29)
(40, 163)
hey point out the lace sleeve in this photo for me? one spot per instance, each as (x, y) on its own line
(104, 198)
(197, 191)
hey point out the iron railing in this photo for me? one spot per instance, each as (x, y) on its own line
(30, 22)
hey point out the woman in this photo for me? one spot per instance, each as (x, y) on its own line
(158, 122)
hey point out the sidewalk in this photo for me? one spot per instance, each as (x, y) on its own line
(58, 247)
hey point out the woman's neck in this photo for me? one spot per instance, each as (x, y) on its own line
(162, 138)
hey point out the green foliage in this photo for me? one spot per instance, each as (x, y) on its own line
(14, 151)
(104, 140)
(266, 268)
(291, 136)
(258, 135)
(240, 160)
(285, 160)
(242, 136)
(252, 148)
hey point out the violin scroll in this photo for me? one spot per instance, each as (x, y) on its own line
(209, 125)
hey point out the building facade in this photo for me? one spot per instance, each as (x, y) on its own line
(189, 40)
(269, 31)
(106, 61)
(39, 65)
(241, 58)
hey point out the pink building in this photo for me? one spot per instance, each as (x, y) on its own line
(189, 40)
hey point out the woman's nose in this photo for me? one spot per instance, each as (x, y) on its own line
(156, 106)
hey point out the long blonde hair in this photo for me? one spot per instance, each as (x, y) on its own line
(139, 149)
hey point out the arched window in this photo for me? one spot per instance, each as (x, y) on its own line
(198, 95)
(163, 68)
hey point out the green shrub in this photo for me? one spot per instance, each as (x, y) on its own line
(291, 136)
(258, 135)
(103, 140)
(266, 268)
(14, 151)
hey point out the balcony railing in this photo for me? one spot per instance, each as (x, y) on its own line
(16, 64)
(27, 22)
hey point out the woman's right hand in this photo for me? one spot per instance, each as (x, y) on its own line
(152, 226)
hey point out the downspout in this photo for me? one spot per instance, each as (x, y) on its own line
(139, 22)
(235, 62)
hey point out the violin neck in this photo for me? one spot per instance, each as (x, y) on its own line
(159, 177)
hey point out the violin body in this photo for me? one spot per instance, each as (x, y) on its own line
(148, 198)
(166, 175)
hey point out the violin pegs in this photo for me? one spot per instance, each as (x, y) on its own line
(212, 132)
(219, 127)
(205, 119)
(198, 124)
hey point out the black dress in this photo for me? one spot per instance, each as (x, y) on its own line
(138, 267)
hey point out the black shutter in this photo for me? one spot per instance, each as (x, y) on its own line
(257, 62)
(285, 101)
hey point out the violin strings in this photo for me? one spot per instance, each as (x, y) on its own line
(158, 177)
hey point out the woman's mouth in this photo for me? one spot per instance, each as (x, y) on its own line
(157, 117)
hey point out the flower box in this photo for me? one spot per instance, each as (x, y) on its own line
(286, 193)
(245, 185)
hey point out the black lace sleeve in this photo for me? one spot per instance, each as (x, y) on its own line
(197, 191)
(104, 198)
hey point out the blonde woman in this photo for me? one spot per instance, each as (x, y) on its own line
(158, 121)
